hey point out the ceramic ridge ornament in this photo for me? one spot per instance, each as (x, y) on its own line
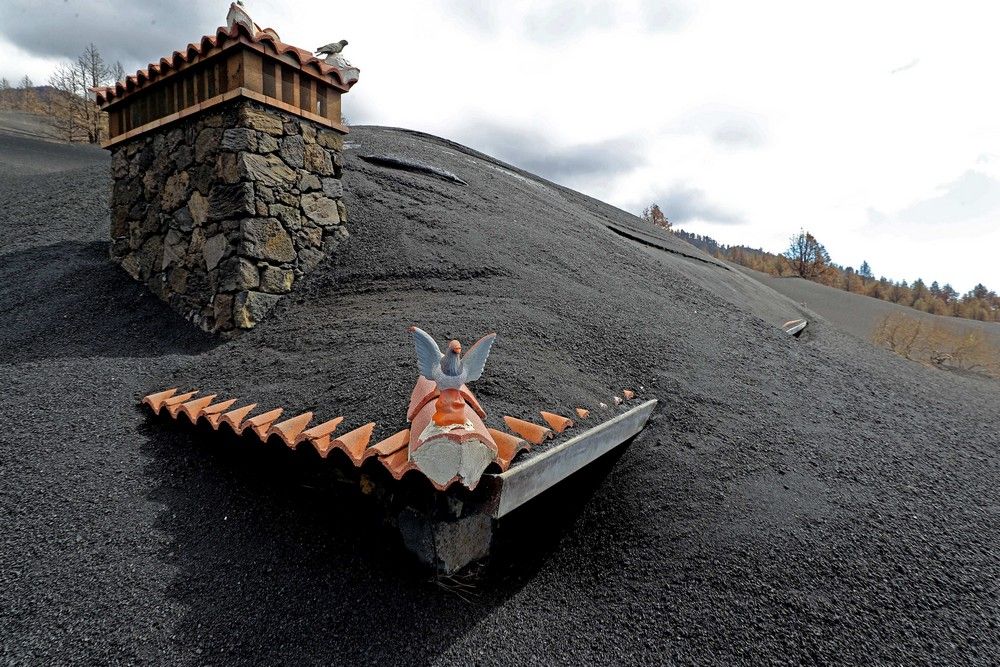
(450, 371)
(449, 439)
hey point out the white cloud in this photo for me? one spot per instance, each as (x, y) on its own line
(781, 115)
(18, 63)
(690, 205)
(971, 197)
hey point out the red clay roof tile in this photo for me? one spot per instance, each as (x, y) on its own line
(222, 35)
(508, 446)
(219, 407)
(262, 423)
(390, 445)
(558, 423)
(426, 390)
(531, 432)
(235, 417)
(193, 407)
(392, 453)
(290, 429)
(355, 442)
(423, 391)
(213, 413)
(397, 463)
(176, 401)
(155, 401)
(320, 432)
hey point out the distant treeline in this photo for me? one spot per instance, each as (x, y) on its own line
(807, 258)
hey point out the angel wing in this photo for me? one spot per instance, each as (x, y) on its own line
(474, 360)
(428, 353)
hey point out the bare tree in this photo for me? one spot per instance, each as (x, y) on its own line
(87, 114)
(117, 72)
(69, 109)
(94, 72)
(27, 93)
(807, 254)
(97, 70)
(655, 216)
(4, 93)
(74, 109)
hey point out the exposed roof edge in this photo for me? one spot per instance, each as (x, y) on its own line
(154, 71)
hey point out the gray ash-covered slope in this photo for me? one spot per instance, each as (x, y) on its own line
(792, 500)
(580, 309)
(858, 314)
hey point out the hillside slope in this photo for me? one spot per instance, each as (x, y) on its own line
(857, 314)
(790, 501)
(29, 125)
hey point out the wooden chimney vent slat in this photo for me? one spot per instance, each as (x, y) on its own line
(231, 64)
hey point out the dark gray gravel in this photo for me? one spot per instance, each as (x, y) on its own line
(792, 501)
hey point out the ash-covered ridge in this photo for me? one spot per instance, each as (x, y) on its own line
(814, 500)
(581, 312)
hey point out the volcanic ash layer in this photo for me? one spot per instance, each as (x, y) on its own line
(792, 500)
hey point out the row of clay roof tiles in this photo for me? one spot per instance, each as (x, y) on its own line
(392, 452)
(223, 34)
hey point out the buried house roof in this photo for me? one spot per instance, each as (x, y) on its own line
(863, 441)
(265, 39)
(395, 452)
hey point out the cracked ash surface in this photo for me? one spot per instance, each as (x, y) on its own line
(792, 500)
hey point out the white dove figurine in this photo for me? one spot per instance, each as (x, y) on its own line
(450, 370)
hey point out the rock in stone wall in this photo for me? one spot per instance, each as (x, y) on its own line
(222, 213)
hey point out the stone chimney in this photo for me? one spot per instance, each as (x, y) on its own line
(226, 165)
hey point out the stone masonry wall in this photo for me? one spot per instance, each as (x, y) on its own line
(221, 214)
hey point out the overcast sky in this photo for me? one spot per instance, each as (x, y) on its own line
(876, 125)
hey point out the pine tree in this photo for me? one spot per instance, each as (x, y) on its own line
(865, 271)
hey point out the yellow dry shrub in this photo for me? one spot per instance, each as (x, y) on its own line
(936, 344)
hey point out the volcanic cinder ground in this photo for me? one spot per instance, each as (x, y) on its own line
(791, 500)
